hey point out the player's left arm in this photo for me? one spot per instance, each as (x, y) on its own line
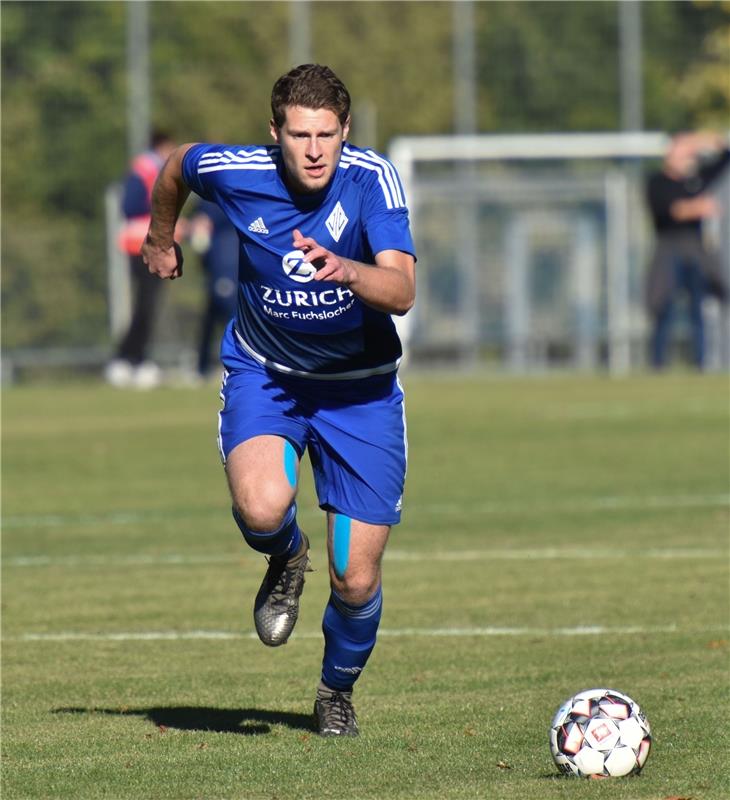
(388, 285)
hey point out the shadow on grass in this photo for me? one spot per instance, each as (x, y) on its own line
(246, 721)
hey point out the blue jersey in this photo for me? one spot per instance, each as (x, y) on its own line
(284, 320)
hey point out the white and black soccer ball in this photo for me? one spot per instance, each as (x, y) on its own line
(600, 733)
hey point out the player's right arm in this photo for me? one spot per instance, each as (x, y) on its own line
(168, 197)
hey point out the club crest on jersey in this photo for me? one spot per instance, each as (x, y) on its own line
(297, 268)
(336, 221)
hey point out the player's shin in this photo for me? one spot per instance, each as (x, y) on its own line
(283, 541)
(349, 635)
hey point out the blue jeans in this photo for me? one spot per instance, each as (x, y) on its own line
(687, 278)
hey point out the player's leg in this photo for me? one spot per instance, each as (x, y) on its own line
(351, 618)
(353, 613)
(262, 477)
(260, 441)
(358, 455)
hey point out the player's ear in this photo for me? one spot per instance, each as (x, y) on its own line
(346, 127)
(273, 127)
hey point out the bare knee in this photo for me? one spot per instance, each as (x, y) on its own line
(260, 489)
(260, 517)
(262, 510)
(358, 587)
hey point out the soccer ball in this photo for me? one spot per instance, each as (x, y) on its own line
(600, 733)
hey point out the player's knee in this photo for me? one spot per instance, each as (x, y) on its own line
(263, 512)
(356, 587)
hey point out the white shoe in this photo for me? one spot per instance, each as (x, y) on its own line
(119, 373)
(147, 375)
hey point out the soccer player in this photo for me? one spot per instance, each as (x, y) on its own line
(310, 360)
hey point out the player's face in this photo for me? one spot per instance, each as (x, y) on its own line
(311, 143)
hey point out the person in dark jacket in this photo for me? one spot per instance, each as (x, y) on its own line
(679, 201)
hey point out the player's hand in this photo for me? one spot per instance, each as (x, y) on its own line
(330, 267)
(165, 262)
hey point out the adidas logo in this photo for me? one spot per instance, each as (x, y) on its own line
(258, 226)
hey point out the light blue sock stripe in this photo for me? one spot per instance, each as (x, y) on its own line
(290, 464)
(341, 544)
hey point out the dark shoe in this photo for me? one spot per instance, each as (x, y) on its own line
(334, 714)
(276, 608)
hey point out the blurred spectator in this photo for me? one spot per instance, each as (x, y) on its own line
(130, 366)
(682, 264)
(215, 238)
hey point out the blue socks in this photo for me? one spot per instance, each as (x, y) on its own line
(284, 541)
(349, 630)
(349, 637)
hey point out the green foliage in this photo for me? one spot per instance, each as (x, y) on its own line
(62, 144)
(705, 86)
(68, 304)
(395, 55)
(544, 71)
(531, 505)
(677, 44)
(541, 67)
(213, 65)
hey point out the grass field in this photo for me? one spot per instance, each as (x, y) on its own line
(559, 533)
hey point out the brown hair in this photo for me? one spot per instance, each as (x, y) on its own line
(310, 86)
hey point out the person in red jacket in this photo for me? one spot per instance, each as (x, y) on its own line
(131, 365)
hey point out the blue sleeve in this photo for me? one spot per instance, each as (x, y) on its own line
(135, 202)
(385, 215)
(390, 230)
(202, 183)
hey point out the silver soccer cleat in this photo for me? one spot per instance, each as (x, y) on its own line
(276, 607)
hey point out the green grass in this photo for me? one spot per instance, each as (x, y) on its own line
(538, 506)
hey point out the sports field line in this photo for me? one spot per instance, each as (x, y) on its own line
(504, 554)
(394, 633)
(570, 506)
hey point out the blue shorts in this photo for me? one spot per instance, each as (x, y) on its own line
(353, 430)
